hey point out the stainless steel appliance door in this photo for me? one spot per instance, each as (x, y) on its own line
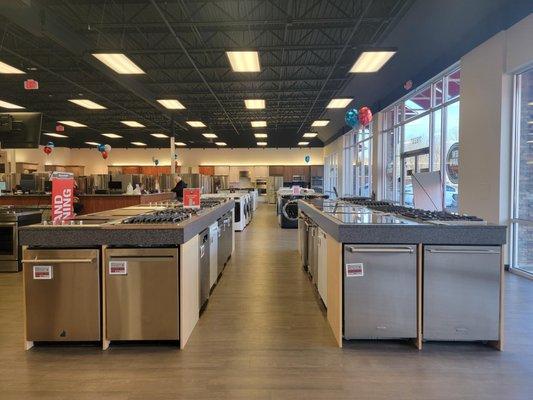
(8, 241)
(303, 230)
(380, 291)
(221, 245)
(204, 255)
(62, 292)
(228, 236)
(461, 292)
(143, 302)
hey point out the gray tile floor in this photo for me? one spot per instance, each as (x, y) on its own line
(264, 336)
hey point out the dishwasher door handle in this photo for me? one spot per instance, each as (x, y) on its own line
(140, 258)
(60, 261)
(353, 249)
(445, 251)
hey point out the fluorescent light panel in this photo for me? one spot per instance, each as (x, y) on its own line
(303, 143)
(159, 135)
(119, 63)
(259, 124)
(91, 105)
(196, 124)
(221, 143)
(57, 135)
(209, 135)
(320, 122)
(73, 124)
(138, 143)
(339, 103)
(111, 135)
(310, 135)
(92, 143)
(254, 104)
(11, 106)
(133, 124)
(371, 61)
(260, 135)
(179, 144)
(261, 143)
(8, 69)
(171, 104)
(244, 61)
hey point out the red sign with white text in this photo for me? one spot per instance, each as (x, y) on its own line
(62, 199)
(191, 198)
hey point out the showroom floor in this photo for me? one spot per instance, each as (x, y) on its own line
(264, 336)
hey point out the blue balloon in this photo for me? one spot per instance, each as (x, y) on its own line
(50, 144)
(101, 148)
(156, 162)
(352, 118)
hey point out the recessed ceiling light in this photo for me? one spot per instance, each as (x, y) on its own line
(119, 63)
(310, 134)
(196, 124)
(57, 135)
(133, 124)
(221, 143)
(339, 103)
(320, 122)
(371, 61)
(260, 135)
(5, 104)
(259, 124)
(209, 135)
(303, 143)
(138, 143)
(73, 124)
(8, 69)
(92, 143)
(254, 104)
(171, 104)
(261, 143)
(111, 135)
(91, 105)
(159, 135)
(244, 61)
(179, 144)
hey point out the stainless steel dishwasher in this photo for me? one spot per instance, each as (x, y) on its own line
(62, 295)
(461, 292)
(222, 239)
(312, 252)
(303, 233)
(204, 267)
(380, 291)
(142, 293)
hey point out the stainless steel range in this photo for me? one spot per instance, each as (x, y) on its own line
(10, 220)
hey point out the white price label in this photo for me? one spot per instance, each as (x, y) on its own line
(43, 272)
(354, 270)
(118, 268)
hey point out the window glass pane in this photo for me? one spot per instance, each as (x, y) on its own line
(524, 247)
(454, 85)
(416, 134)
(525, 143)
(397, 163)
(388, 140)
(438, 92)
(418, 104)
(437, 137)
(398, 112)
(451, 181)
(388, 119)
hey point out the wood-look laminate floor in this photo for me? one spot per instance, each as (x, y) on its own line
(264, 336)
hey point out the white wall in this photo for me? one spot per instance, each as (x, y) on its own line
(486, 121)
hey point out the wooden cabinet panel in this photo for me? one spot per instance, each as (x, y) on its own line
(275, 170)
(287, 173)
(221, 170)
(317, 170)
(261, 171)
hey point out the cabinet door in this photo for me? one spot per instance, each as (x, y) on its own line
(275, 170)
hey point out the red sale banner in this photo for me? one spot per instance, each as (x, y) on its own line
(191, 198)
(62, 197)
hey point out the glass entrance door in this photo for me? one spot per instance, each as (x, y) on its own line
(412, 163)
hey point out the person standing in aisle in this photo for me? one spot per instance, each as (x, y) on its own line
(178, 188)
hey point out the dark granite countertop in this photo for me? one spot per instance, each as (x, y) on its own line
(408, 233)
(92, 235)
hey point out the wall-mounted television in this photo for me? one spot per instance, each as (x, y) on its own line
(20, 130)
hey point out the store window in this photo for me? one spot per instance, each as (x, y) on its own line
(331, 175)
(522, 204)
(420, 133)
(358, 163)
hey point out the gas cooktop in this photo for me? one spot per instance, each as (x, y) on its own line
(168, 216)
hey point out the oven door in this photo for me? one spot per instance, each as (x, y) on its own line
(8, 241)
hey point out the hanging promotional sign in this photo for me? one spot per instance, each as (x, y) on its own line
(452, 163)
(191, 198)
(62, 196)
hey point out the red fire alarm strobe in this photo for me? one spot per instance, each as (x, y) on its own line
(31, 84)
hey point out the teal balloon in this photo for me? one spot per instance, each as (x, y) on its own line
(352, 118)
(50, 144)
(307, 159)
(101, 148)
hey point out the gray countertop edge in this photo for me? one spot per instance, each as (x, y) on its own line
(91, 236)
(406, 234)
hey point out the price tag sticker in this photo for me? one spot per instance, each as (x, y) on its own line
(118, 268)
(354, 270)
(43, 272)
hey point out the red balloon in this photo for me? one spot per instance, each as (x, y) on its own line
(365, 116)
(104, 155)
(47, 150)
